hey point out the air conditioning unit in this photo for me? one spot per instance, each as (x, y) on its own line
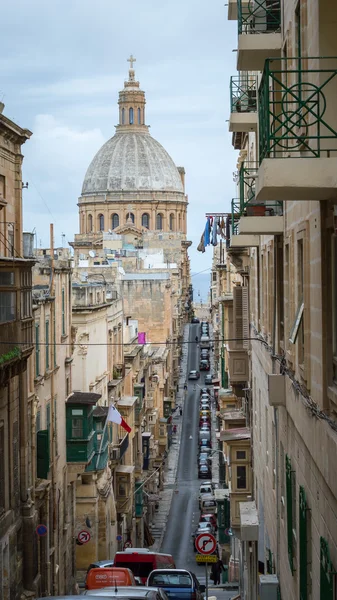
(268, 587)
(114, 453)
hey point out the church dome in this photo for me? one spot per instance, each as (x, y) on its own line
(132, 160)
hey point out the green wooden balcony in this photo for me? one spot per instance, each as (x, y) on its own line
(243, 113)
(259, 28)
(298, 120)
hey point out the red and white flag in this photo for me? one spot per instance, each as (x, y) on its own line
(115, 417)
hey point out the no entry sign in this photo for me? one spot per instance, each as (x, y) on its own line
(205, 543)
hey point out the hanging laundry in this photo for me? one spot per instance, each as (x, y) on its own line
(207, 232)
(201, 245)
(214, 233)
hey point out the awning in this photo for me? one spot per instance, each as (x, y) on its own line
(229, 435)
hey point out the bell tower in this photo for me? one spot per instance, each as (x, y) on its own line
(131, 104)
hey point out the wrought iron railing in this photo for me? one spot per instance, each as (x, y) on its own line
(243, 93)
(259, 16)
(297, 114)
(246, 204)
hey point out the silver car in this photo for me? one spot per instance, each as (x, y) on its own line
(129, 593)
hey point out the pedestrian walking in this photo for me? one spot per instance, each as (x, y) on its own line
(180, 411)
(217, 569)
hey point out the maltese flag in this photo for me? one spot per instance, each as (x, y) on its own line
(115, 417)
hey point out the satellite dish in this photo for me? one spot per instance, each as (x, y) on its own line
(92, 253)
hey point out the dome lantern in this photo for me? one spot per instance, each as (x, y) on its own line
(131, 104)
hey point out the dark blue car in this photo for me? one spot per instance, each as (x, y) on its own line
(178, 584)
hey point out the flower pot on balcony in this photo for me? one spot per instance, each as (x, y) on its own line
(256, 210)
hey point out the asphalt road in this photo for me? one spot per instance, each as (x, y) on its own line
(184, 513)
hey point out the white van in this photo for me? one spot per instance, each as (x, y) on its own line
(208, 504)
(205, 342)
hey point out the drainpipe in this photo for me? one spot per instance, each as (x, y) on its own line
(52, 402)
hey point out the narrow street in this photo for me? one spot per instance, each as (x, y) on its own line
(184, 513)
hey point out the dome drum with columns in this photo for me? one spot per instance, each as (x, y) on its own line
(132, 179)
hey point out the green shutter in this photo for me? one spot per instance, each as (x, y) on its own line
(289, 492)
(54, 341)
(327, 572)
(37, 350)
(303, 510)
(139, 499)
(55, 426)
(47, 345)
(42, 454)
(63, 314)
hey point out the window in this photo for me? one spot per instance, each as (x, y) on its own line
(171, 222)
(130, 216)
(122, 486)
(241, 455)
(305, 557)
(123, 116)
(146, 220)
(101, 222)
(63, 313)
(47, 345)
(159, 222)
(7, 278)
(7, 306)
(300, 296)
(139, 117)
(291, 512)
(76, 427)
(179, 222)
(37, 350)
(115, 221)
(2, 468)
(131, 116)
(89, 223)
(241, 477)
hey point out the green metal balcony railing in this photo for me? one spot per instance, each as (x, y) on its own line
(259, 16)
(246, 204)
(297, 117)
(243, 93)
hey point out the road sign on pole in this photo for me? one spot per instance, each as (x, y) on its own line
(205, 543)
(206, 558)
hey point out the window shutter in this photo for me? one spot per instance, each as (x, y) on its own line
(2, 470)
(42, 454)
(289, 492)
(240, 317)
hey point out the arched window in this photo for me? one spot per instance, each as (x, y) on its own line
(179, 222)
(146, 220)
(139, 117)
(123, 116)
(159, 222)
(114, 221)
(101, 222)
(89, 223)
(171, 222)
(130, 216)
(131, 116)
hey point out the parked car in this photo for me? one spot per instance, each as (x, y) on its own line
(206, 451)
(134, 593)
(204, 471)
(204, 413)
(194, 375)
(204, 353)
(195, 320)
(204, 420)
(208, 504)
(97, 578)
(211, 483)
(205, 490)
(204, 365)
(208, 379)
(178, 584)
(204, 390)
(204, 456)
(203, 443)
(209, 518)
(205, 427)
(100, 564)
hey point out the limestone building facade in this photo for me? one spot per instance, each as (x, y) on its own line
(282, 233)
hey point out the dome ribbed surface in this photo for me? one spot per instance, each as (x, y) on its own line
(131, 162)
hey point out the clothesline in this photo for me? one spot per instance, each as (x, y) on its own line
(216, 227)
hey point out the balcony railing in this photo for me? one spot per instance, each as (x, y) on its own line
(243, 94)
(297, 99)
(259, 16)
(246, 204)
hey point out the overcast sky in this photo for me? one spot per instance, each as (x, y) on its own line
(61, 67)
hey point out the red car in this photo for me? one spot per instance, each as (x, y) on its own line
(209, 518)
(204, 421)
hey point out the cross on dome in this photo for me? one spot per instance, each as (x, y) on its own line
(131, 60)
